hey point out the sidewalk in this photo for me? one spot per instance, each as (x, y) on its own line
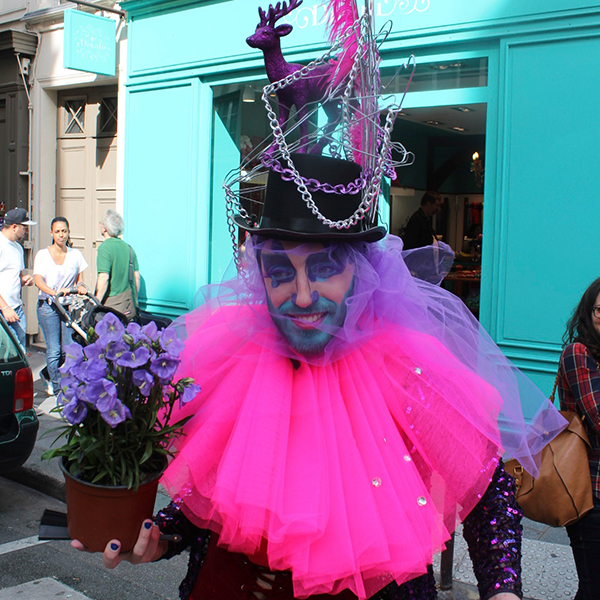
(548, 568)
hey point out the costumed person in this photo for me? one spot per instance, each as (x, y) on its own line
(57, 268)
(579, 391)
(118, 282)
(351, 412)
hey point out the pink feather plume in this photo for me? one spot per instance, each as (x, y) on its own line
(342, 15)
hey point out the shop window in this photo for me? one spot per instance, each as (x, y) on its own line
(74, 117)
(445, 75)
(108, 116)
(228, 109)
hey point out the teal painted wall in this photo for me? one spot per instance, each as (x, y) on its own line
(162, 207)
(546, 231)
(541, 146)
(195, 36)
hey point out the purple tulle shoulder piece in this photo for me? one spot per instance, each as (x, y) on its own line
(391, 288)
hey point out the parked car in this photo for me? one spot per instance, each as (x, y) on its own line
(18, 421)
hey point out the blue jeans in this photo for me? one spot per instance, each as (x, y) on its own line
(56, 334)
(585, 543)
(20, 326)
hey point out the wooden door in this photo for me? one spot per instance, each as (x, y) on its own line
(86, 166)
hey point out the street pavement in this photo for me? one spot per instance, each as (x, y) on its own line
(548, 568)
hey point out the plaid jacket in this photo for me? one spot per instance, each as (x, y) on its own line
(579, 390)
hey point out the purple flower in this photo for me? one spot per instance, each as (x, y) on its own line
(164, 367)
(137, 358)
(135, 331)
(73, 356)
(90, 370)
(65, 396)
(110, 328)
(94, 351)
(169, 341)
(143, 380)
(68, 388)
(116, 414)
(150, 330)
(74, 412)
(189, 393)
(101, 394)
(68, 381)
(116, 350)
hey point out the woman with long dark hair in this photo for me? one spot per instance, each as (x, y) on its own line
(579, 391)
(57, 268)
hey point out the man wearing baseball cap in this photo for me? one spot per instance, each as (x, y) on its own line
(12, 264)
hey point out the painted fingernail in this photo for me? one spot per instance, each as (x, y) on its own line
(148, 524)
(114, 546)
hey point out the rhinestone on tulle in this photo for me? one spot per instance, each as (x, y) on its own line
(418, 371)
(376, 482)
(421, 501)
(407, 458)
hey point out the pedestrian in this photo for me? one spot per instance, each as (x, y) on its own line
(12, 265)
(118, 282)
(419, 230)
(579, 391)
(57, 268)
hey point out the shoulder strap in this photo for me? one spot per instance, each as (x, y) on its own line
(553, 394)
(130, 264)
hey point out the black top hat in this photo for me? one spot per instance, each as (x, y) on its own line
(286, 216)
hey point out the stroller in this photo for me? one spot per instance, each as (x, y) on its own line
(86, 311)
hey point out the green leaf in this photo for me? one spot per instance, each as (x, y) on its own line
(100, 476)
(148, 452)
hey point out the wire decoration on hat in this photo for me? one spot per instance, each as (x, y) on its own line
(355, 133)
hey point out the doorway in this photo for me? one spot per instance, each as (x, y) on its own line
(449, 145)
(86, 166)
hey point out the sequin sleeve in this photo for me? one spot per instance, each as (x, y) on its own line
(171, 520)
(493, 532)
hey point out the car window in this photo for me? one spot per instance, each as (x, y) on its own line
(8, 349)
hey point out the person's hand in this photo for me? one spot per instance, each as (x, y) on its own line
(10, 315)
(26, 280)
(148, 548)
(82, 289)
(64, 291)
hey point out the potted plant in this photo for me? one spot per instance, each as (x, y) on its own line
(117, 397)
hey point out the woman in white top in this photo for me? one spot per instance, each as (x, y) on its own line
(57, 268)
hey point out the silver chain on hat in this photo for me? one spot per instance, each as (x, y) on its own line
(377, 159)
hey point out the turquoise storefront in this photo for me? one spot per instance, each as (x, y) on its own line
(529, 69)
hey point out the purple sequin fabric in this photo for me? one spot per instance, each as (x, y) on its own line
(492, 530)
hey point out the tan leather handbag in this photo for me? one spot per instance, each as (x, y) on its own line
(562, 493)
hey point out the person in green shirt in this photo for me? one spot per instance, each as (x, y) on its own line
(117, 285)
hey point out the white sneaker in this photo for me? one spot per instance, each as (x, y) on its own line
(48, 383)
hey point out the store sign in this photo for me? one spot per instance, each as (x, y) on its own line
(317, 14)
(90, 43)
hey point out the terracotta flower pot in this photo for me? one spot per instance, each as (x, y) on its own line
(97, 514)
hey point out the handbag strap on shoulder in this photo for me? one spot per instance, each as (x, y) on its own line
(553, 394)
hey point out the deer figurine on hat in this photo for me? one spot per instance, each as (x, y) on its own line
(302, 90)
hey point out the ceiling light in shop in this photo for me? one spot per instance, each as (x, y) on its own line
(461, 129)
(463, 109)
(432, 122)
(248, 94)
